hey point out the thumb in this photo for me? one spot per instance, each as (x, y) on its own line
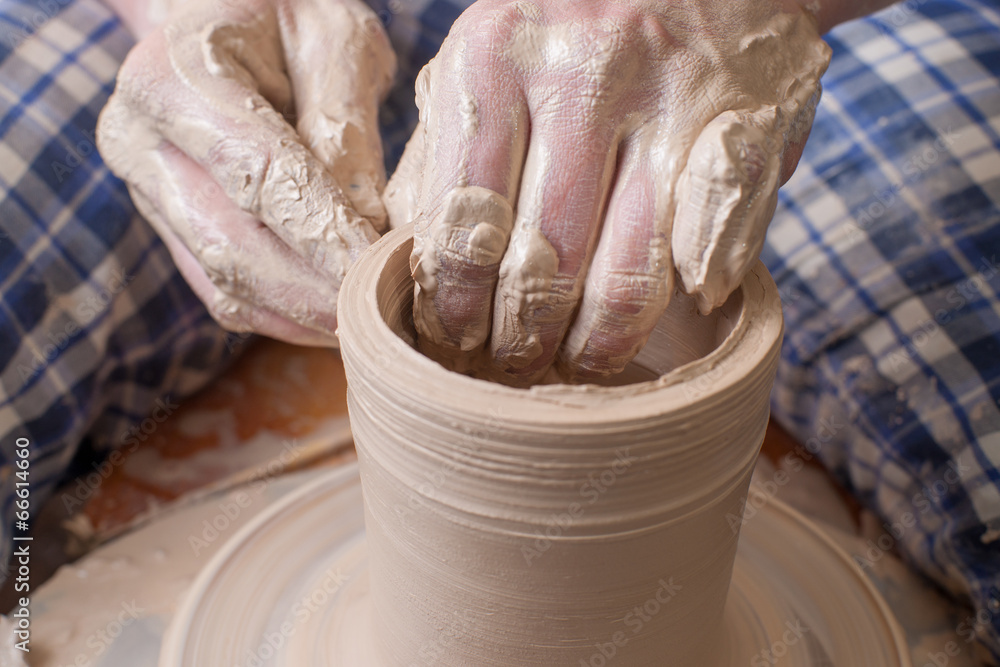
(341, 66)
(727, 195)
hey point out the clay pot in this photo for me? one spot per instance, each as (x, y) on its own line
(556, 525)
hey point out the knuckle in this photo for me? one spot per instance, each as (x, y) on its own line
(246, 172)
(484, 59)
(231, 313)
(626, 294)
(550, 303)
(477, 250)
(144, 70)
(486, 48)
(471, 231)
(502, 17)
(134, 69)
(463, 263)
(368, 38)
(112, 135)
(216, 258)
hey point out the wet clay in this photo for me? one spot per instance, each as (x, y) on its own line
(520, 526)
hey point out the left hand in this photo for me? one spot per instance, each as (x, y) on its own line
(572, 155)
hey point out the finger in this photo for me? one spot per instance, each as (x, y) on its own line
(797, 133)
(341, 66)
(468, 238)
(726, 197)
(629, 282)
(474, 146)
(249, 268)
(246, 146)
(566, 178)
(258, 65)
(231, 313)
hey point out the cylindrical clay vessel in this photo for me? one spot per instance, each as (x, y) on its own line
(556, 525)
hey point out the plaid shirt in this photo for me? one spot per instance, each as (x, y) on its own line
(97, 327)
(886, 248)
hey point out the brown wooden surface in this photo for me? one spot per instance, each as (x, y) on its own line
(281, 389)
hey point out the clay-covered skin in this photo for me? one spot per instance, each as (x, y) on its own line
(247, 134)
(631, 142)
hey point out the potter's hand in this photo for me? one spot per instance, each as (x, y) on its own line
(572, 156)
(262, 218)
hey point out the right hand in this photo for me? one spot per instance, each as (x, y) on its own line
(262, 218)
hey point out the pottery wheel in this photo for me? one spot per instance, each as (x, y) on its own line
(290, 589)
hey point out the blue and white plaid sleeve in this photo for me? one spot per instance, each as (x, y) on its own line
(886, 248)
(97, 327)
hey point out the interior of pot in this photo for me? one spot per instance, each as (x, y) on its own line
(681, 336)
